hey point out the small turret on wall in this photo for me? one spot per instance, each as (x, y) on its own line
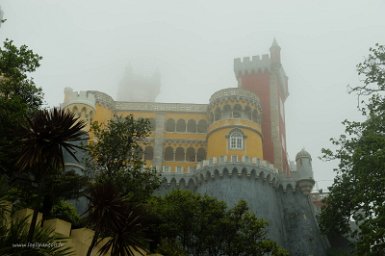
(304, 174)
(82, 104)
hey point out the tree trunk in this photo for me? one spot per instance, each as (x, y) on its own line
(33, 225)
(93, 242)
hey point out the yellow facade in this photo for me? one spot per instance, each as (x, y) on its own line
(184, 134)
(219, 135)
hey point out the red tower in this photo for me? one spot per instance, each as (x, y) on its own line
(266, 78)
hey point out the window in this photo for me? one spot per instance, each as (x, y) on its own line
(201, 154)
(179, 169)
(217, 114)
(202, 126)
(149, 153)
(179, 154)
(170, 125)
(236, 140)
(169, 154)
(181, 125)
(191, 125)
(152, 124)
(166, 168)
(237, 111)
(190, 154)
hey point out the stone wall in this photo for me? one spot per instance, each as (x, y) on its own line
(289, 212)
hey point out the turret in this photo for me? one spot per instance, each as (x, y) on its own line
(275, 53)
(305, 181)
(234, 131)
(82, 104)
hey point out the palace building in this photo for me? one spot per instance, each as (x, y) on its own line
(231, 148)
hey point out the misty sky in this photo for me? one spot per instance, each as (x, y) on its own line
(87, 44)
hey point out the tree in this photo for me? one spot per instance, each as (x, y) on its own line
(44, 139)
(202, 225)
(31, 147)
(114, 216)
(14, 232)
(357, 194)
(123, 165)
(122, 184)
(19, 97)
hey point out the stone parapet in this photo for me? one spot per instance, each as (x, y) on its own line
(249, 65)
(160, 107)
(223, 166)
(82, 97)
(236, 93)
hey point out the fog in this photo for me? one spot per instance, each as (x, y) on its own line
(188, 48)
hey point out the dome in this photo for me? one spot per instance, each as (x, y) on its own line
(302, 154)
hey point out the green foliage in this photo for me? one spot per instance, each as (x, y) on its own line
(14, 241)
(45, 138)
(66, 211)
(112, 215)
(117, 156)
(19, 97)
(15, 64)
(32, 140)
(202, 225)
(357, 193)
(122, 184)
(41, 178)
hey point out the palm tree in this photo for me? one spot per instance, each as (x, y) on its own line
(44, 139)
(112, 215)
(14, 241)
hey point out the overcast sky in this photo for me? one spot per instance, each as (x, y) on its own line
(87, 45)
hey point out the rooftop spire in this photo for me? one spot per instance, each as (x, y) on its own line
(275, 44)
(275, 52)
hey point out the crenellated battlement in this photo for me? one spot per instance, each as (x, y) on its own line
(216, 168)
(74, 97)
(249, 65)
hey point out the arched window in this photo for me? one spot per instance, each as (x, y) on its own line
(84, 112)
(191, 126)
(181, 125)
(236, 140)
(237, 111)
(170, 125)
(201, 154)
(211, 118)
(149, 153)
(202, 126)
(152, 124)
(190, 155)
(248, 112)
(169, 154)
(227, 111)
(179, 154)
(217, 114)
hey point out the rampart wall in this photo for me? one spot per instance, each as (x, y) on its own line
(277, 199)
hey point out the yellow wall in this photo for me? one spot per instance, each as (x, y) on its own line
(214, 141)
(102, 114)
(217, 139)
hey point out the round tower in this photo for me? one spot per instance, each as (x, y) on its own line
(305, 180)
(82, 104)
(234, 130)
